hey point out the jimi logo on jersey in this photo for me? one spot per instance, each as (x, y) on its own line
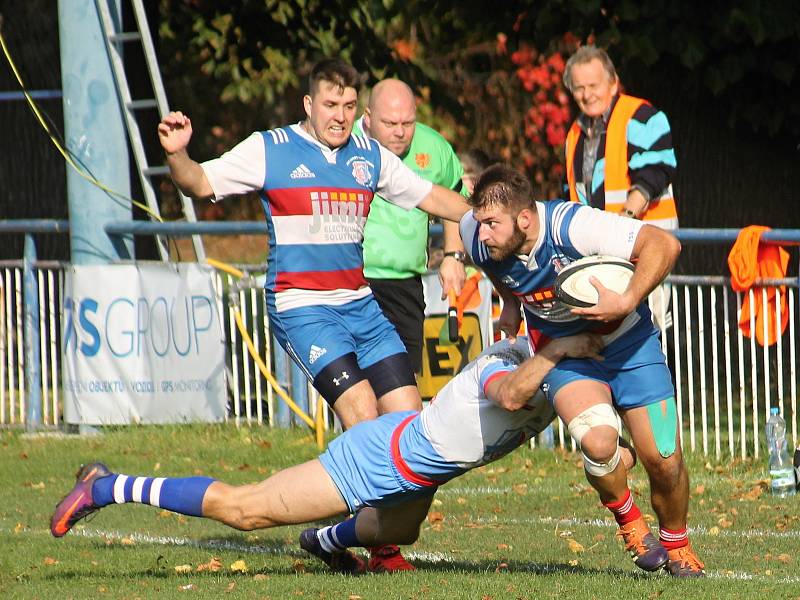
(339, 215)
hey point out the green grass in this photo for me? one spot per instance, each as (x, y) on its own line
(507, 529)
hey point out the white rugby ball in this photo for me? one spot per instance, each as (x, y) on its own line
(572, 282)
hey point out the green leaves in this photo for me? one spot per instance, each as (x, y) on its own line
(254, 54)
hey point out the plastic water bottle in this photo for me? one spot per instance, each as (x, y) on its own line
(781, 471)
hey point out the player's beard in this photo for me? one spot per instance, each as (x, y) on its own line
(512, 246)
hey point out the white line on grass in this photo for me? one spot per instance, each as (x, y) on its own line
(431, 557)
(699, 530)
(260, 548)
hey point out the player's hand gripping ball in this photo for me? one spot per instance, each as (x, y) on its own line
(574, 288)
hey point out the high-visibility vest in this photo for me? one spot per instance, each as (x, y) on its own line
(661, 211)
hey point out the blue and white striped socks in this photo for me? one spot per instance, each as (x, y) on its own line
(339, 537)
(181, 495)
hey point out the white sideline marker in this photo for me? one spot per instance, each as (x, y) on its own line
(432, 557)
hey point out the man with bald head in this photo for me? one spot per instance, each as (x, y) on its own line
(396, 242)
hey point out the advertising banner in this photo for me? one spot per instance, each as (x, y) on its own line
(142, 343)
(442, 359)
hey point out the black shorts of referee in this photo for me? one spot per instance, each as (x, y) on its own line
(403, 303)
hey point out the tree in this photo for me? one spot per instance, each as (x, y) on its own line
(487, 78)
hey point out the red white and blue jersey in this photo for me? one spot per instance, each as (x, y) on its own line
(316, 201)
(462, 428)
(567, 232)
(403, 455)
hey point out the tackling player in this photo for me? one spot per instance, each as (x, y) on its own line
(384, 470)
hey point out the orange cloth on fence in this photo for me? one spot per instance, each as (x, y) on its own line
(749, 260)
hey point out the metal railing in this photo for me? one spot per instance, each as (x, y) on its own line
(725, 382)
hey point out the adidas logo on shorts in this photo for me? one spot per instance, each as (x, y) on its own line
(315, 353)
(302, 172)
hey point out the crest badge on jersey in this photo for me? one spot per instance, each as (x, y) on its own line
(559, 261)
(361, 172)
(422, 160)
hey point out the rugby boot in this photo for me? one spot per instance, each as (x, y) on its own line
(344, 562)
(388, 559)
(646, 551)
(683, 562)
(78, 503)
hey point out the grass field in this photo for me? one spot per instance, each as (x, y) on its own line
(525, 527)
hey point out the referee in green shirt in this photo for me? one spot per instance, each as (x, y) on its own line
(396, 240)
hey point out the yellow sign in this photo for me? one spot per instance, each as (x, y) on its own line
(440, 362)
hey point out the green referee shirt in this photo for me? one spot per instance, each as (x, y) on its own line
(396, 240)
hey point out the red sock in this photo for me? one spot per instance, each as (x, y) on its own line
(672, 539)
(625, 510)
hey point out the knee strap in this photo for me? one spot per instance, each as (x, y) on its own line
(601, 469)
(594, 416)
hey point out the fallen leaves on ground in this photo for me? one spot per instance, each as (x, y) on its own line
(212, 565)
(239, 566)
(753, 494)
(299, 566)
(575, 546)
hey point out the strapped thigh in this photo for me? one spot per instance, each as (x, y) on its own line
(663, 418)
(338, 377)
(390, 373)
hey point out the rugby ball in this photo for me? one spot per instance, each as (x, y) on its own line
(573, 287)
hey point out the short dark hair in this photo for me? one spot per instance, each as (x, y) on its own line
(475, 160)
(502, 186)
(335, 71)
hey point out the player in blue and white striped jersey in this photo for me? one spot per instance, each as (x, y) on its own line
(522, 245)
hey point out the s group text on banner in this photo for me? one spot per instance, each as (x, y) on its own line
(142, 343)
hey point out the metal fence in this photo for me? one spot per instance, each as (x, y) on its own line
(251, 399)
(14, 342)
(725, 382)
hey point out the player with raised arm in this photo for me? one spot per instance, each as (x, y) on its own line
(384, 470)
(317, 181)
(522, 245)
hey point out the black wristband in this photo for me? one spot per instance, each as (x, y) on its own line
(458, 255)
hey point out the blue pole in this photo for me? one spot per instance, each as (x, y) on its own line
(283, 417)
(33, 375)
(95, 134)
(299, 392)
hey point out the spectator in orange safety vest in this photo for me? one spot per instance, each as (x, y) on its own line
(619, 153)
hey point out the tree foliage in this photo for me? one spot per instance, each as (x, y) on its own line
(487, 76)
